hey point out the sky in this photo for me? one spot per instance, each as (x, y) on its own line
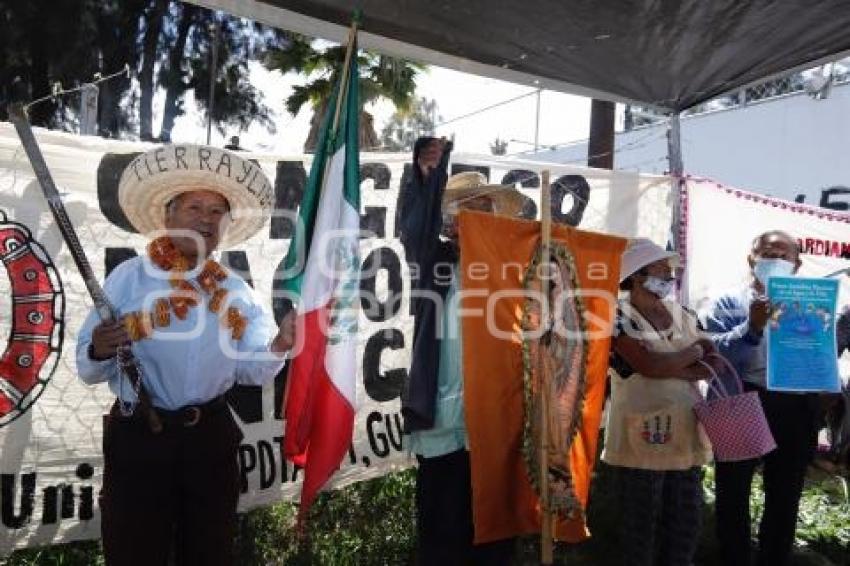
(563, 117)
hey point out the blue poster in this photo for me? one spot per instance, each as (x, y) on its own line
(801, 351)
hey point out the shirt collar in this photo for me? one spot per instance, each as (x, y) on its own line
(151, 267)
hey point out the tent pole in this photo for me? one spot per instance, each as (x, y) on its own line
(546, 527)
(674, 146)
(600, 142)
(676, 166)
(537, 123)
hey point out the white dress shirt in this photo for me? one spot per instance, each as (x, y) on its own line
(189, 361)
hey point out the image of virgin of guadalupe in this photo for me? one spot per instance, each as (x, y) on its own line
(556, 332)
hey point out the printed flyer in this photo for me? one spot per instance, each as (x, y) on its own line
(801, 348)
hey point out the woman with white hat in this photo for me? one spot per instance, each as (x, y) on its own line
(652, 438)
(196, 329)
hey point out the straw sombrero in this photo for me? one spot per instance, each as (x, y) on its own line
(471, 184)
(153, 178)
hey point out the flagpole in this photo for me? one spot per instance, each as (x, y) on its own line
(343, 87)
(546, 529)
(341, 94)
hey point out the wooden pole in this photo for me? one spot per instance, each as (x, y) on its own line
(546, 530)
(343, 85)
(600, 143)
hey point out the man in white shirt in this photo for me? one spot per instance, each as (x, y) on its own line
(195, 329)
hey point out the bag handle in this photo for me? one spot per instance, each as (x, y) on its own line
(731, 369)
(716, 384)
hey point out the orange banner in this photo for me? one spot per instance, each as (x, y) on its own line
(497, 265)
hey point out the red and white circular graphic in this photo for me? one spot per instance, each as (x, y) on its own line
(31, 320)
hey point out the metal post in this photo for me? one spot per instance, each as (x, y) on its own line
(215, 32)
(600, 143)
(677, 230)
(537, 123)
(674, 146)
(88, 110)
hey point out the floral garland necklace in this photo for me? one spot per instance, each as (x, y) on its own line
(165, 255)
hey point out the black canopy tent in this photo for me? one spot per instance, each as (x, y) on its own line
(667, 54)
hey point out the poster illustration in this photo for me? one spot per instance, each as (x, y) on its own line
(801, 347)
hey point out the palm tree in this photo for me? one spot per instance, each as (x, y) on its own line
(404, 126)
(380, 77)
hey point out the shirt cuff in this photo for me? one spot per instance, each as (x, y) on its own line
(93, 371)
(752, 337)
(261, 371)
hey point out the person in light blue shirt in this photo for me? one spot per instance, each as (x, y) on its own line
(736, 324)
(449, 431)
(190, 361)
(433, 405)
(195, 329)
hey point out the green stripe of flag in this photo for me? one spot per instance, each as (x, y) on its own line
(347, 134)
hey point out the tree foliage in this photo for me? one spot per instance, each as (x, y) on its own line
(166, 43)
(405, 126)
(380, 77)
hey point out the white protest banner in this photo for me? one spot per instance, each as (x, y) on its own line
(50, 423)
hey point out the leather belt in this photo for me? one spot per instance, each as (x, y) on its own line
(188, 416)
(191, 415)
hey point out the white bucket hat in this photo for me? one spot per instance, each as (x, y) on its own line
(155, 177)
(642, 252)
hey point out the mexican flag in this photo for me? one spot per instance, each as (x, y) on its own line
(324, 267)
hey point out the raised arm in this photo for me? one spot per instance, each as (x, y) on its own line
(421, 211)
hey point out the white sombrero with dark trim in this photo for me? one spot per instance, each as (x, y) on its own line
(468, 185)
(155, 177)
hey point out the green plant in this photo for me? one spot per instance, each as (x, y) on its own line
(373, 523)
(85, 553)
(823, 524)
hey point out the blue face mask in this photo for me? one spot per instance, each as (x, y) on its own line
(659, 287)
(765, 268)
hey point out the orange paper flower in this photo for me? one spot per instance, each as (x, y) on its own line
(165, 255)
(217, 300)
(162, 314)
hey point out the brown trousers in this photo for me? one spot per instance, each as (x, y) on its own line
(177, 489)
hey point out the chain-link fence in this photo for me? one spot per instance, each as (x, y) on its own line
(816, 82)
